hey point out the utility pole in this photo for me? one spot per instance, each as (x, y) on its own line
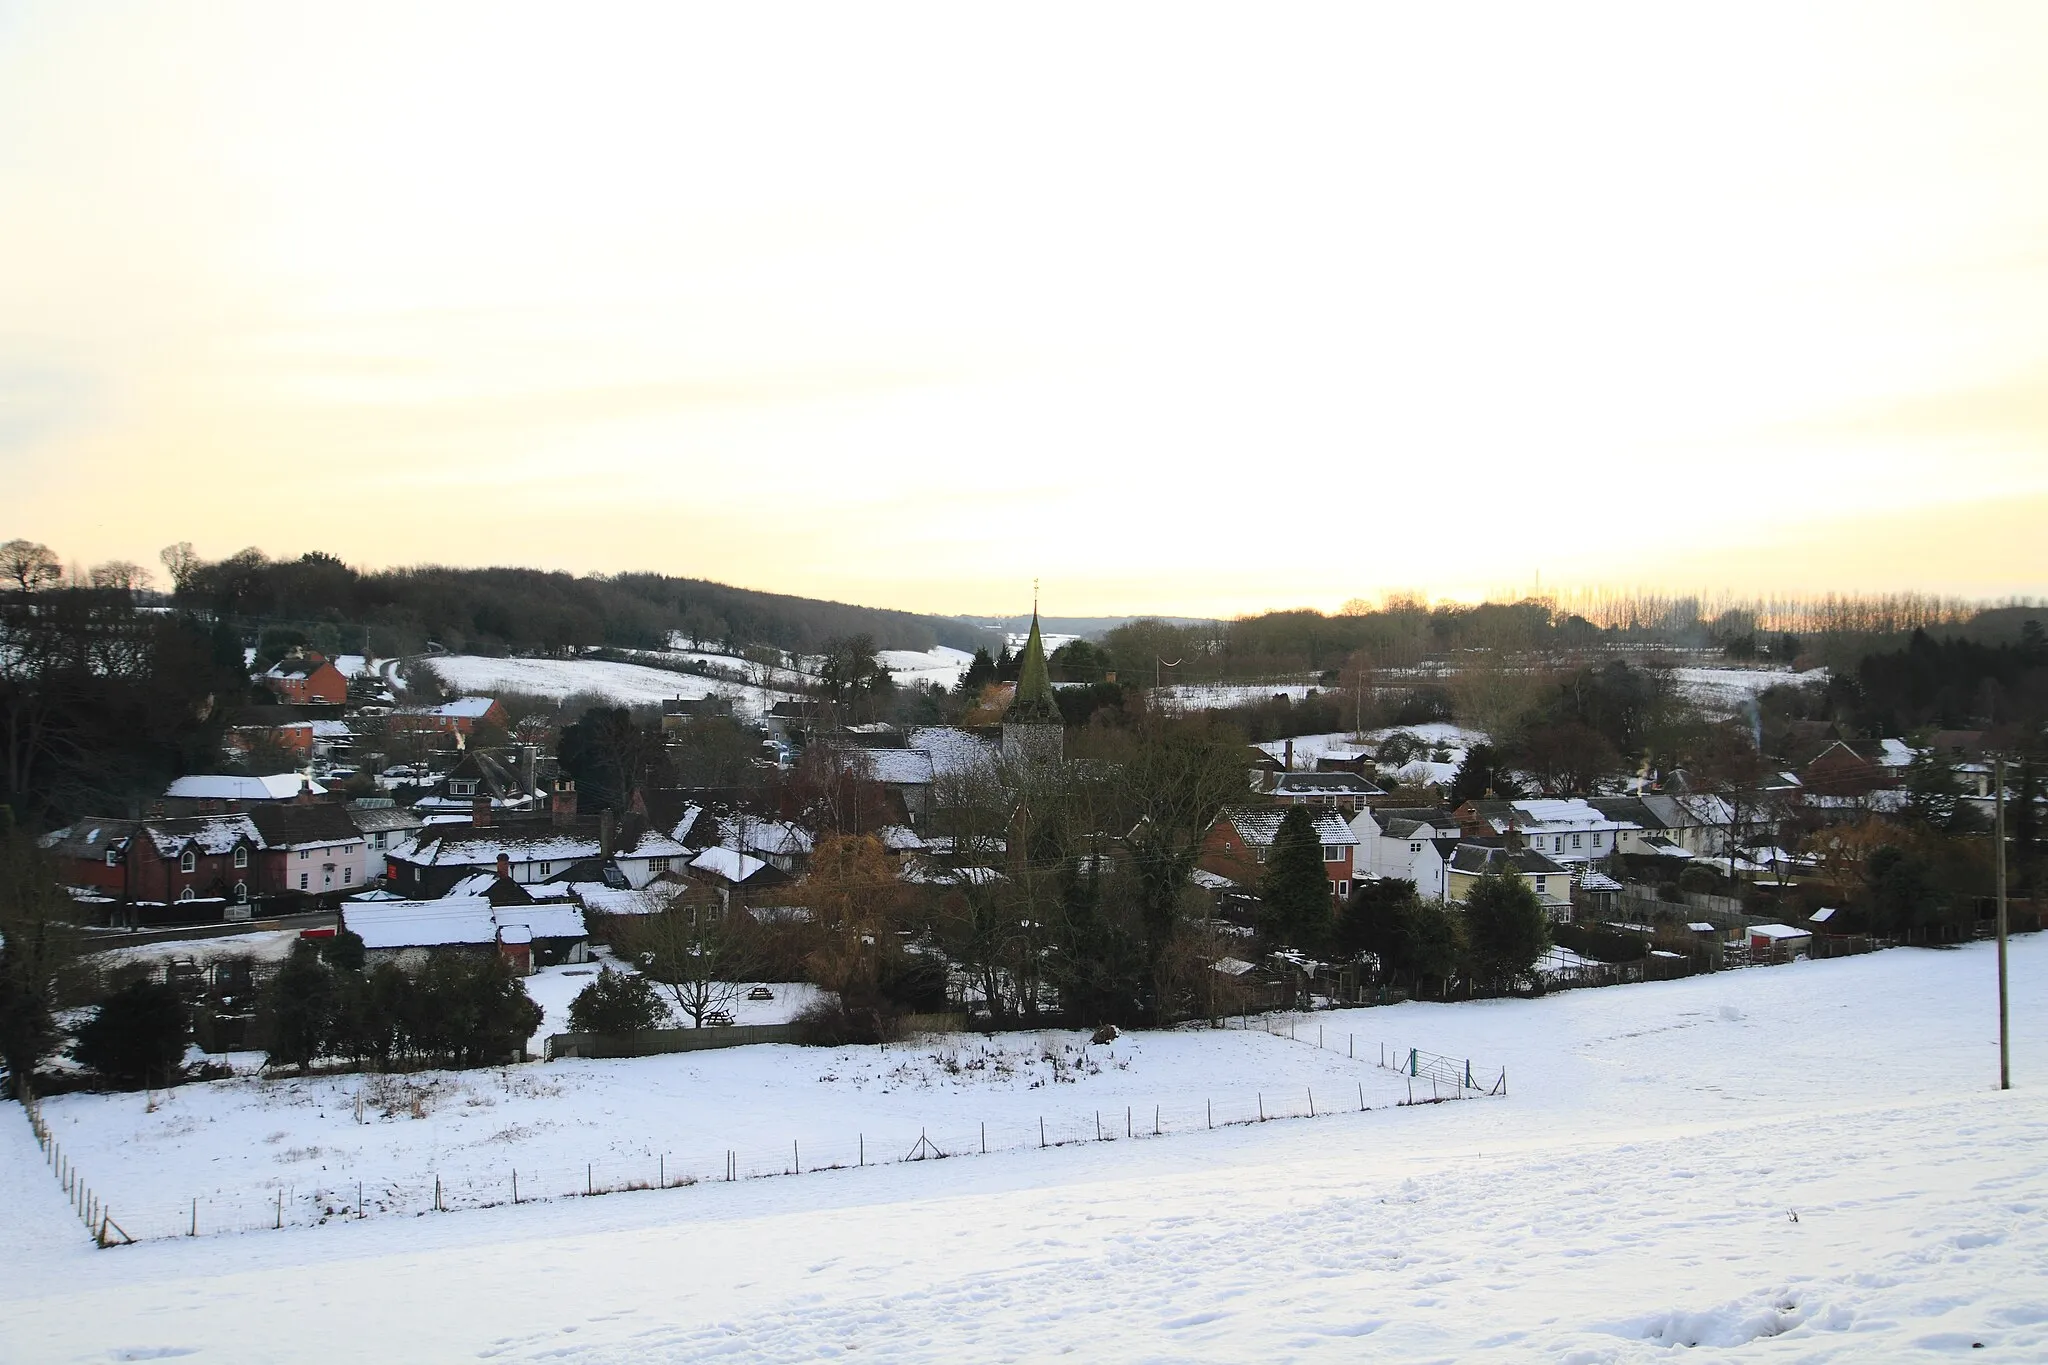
(2004, 1021)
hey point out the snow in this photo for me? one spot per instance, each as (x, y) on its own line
(266, 945)
(939, 667)
(229, 787)
(623, 684)
(1726, 691)
(1801, 1162)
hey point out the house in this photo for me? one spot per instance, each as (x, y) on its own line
(316, 850)
(530, 850)
(224, 793)
(907, 773)
(412, 932)
(1400, 842)
(294, 737)
(1550, 880)
(478, 777)
(1850, 768)
(459, 717)
(383, 824)
(1335, 790)
(732, 874)
(307, 679)
(678, 712)
(189, 869)
(1567, 829)
(1240, 841)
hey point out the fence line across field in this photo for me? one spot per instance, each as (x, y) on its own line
(349, 1197)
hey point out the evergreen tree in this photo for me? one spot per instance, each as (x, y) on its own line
(1903, 893)
(298, 1009)
(1479, 776)
(137, 1037)
(37, 948)
(617, 1005)
(343, 952)
(1372, 918)
(498, 1016)
(979, 674)
(1294, 890)
(1506, 928)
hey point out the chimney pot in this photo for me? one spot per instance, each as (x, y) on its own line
(505, 866)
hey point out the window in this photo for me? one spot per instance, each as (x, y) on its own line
(242, 856)
(241, 893)
(1330, 799)
(657, 864)
(186, 895)
(1262, 853)
(465, 786)
(1560, 845)
(305, 853)
(1333, 853)
(304, 879)
(113, 858)
(348, 874)
(1575, 841)
(1596, 838)
(188, 861)
(1415, 848)
(1541, 881)
(1343, 890)
(545, 868)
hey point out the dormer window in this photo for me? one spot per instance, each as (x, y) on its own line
(188, 861)
(242, 856)
(462, 786)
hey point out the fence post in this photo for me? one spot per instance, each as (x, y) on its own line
(661, 1171)
(1209, 1107)
(1262, 1108)
(280, 1211)
(863, 1149)
(515, 1184)
(1127, 1121)
(589, 1180)
(1319, 1037)
(1361, 1097)
(1311, 1101)
(1351, 1046)
(1098, 1125)
(1041, 1132)
(195, 1219)
(1414, 1067)
(984, 1137)
(437, 1195)
(361, 1212)
(796, 1156)
(1155, 1120)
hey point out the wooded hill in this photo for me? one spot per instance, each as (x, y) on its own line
(508, 610)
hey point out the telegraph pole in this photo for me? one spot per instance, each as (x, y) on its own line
(2004, 1022)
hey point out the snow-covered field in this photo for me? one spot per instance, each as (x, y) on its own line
(1801, 1163)
(1453, 740)
(938, 667)
(1216, 696)
(1726, 690)
(624, 684)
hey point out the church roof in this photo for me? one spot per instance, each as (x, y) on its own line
(1034, 704)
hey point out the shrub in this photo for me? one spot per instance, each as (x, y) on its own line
(1507, 928)
(137, 1037)
(617, 1004)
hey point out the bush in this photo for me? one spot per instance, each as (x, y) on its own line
(137, 1037)
(1702, 879)
(832, 1023)
(297, 1011)
(617, 1004)
(1507, 928)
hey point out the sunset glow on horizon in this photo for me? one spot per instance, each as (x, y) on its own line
(1190, 311)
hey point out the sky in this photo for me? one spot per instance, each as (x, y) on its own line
(1185, 309)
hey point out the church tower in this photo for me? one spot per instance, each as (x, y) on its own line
(1032, 729)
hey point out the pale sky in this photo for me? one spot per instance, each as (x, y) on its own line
(1184, 309)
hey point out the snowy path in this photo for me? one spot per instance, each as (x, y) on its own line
(1636, 1193)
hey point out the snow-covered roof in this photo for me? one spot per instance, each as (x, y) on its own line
(728, 863)
(1823, 915)
(1212, 881)
(688, 821)
(898, 767)
(204, 833)
(234, 787)
(1230, 966)
(1598, 881)
(900, 839)
(1777, 931)
(421, 924)
(1259, 825)
(552, 920)
(1896, 754)
(464, 708)
(777, 837)
(1700, 927)
(953, 752)
(1557, 959)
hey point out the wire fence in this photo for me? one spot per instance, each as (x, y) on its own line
(91, 1210)
(471, 1186)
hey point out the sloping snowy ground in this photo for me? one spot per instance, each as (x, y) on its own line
(626, 684)
(1727, 690)
(1799, 1163)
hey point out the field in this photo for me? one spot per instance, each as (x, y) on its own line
(621, 683)
(1803, 1163)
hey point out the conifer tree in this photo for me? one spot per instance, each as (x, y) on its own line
(1506, 928)
(1298, 911)
(137, 1037)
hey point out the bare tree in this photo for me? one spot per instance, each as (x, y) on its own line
(181, 561)
(698, 954)
(30, 565)
(119, 575)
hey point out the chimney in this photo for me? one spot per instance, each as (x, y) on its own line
(1290, 756)
(563, 805)
(505, 866)
(604, 833)
(480, 811)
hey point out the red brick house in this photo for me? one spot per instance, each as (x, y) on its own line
(458, 717)
(1238, 843)
(1849, 768)
(196, 868)
(307, 679)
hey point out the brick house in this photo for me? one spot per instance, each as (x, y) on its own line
(458, 717)
(205, 867)
(1849, 768)
(307, 679)
(1238, 844)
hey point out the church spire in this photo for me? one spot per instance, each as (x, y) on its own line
(1034, 703)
